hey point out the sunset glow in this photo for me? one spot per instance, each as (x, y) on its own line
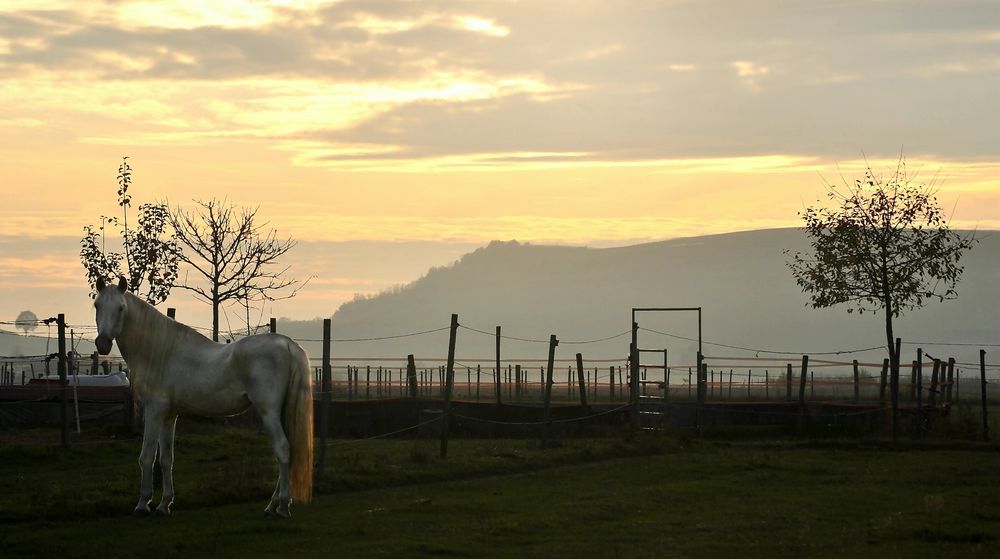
(595, 124)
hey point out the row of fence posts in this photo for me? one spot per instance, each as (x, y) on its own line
(9, 371)
(889, 378)
(890, 369)
(448, 387)
(944, 368)
(514, 377)
(449, 381)
(942, 375)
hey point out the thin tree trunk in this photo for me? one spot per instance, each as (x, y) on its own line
(890, 341)
(215, 313)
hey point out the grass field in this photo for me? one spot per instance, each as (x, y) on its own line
(671, 496)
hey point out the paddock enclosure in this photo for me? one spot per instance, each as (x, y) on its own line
(544, 396)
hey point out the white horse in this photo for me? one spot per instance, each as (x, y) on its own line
(176, 370)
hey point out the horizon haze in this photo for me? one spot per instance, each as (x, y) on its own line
(392, 137)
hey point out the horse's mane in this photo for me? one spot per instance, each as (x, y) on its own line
(151, 339)
(148, 316)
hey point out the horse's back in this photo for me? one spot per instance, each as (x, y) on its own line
(267, 347)
(271, 356)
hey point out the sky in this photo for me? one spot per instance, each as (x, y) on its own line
(388, 137)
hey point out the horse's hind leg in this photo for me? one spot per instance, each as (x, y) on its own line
(167, 464)
(153, 419)
(276, 434)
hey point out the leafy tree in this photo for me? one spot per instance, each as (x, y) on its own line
(26, 322)
(884, 245)
(234, 258)
(150, 254)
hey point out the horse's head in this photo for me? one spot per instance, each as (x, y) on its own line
(110, 305)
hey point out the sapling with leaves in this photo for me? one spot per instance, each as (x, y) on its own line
(149, 253)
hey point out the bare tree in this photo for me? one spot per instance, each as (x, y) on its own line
(235, 258)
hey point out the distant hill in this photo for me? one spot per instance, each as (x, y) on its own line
(748, 296)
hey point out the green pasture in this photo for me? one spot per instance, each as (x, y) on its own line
(659, 496)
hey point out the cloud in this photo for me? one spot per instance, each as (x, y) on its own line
(444, 80)
(750, 72)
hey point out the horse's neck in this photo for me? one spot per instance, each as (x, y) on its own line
(146, 336)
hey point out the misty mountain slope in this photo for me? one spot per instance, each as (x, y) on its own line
(748, 295)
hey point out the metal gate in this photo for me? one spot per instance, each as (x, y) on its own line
(647, 411)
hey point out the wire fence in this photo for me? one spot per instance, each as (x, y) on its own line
(522, 379)
(734, 388)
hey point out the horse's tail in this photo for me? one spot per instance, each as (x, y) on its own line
(298, 422)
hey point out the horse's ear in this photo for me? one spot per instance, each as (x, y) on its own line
(100, 284)
(122, 284)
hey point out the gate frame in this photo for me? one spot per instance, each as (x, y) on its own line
(635, 351)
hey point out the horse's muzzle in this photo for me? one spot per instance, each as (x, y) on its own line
(103, 344)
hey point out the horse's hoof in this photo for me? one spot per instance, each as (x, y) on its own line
(163, 510)
(280, 514)
(141, 511)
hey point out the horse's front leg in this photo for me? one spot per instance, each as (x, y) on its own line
(167, 463)
(153, 419)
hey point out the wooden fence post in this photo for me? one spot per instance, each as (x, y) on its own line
(666, 390)
(496, 377)
(634, 390)
(700, 391)
(951, 377)
(894, 386)
(919, 428)
(326, 387)
(802, 392)
(788, 382)
(857, 382)
(171, 313)
(63, 414)
(449, 381)
(411, 377)
(583, 386)
(932, 393)
(547, 389)
(274, 325)
(982, 383)
(913, 395)
(882, 381)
